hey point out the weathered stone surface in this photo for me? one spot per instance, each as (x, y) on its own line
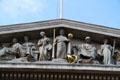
(56, 65)
(56, 23)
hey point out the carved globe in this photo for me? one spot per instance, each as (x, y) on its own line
(70, 35)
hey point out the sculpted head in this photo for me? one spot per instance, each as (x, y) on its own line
(87, 39)
(42, 34)
(26, 38)
(105, 41)
(62, 32)
(15, 40)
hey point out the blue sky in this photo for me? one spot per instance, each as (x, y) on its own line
(100, 12)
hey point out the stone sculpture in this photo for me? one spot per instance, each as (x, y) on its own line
(29, 48)
(106, 51)
(44, 47)
(87, 51)
(17, 48)
(4, 50)
(64, 49)
(61, 43)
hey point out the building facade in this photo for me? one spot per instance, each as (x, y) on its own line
(59, 70)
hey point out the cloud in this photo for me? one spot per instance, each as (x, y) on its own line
(17, 8)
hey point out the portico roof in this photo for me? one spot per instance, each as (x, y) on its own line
(59, 23)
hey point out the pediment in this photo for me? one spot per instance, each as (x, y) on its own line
(80, 30)
(57, 24)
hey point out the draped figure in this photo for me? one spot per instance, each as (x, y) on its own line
(44, 47)
(61, 43)
(106, 51)
(87, 50)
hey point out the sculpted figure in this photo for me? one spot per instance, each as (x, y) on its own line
(88, 51)
(44, 47)
(4, 50)
(29, 49)
(61, 43)
(106, 51)
(17, 48)
(10, 53)
(28, 46)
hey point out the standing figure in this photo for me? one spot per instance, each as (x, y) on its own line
(61, 42)
(106, 51)
(44, 47)
(88, 51)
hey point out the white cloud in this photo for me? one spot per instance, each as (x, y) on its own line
(14, 8)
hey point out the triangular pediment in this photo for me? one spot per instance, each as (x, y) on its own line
(59, 23)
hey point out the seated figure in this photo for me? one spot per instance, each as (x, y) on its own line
(28, 48)
(87, 50)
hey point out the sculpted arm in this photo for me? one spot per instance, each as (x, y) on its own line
(39, 43)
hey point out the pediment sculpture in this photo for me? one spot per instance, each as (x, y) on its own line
(85, 53)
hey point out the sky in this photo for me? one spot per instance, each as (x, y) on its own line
(100, 12)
